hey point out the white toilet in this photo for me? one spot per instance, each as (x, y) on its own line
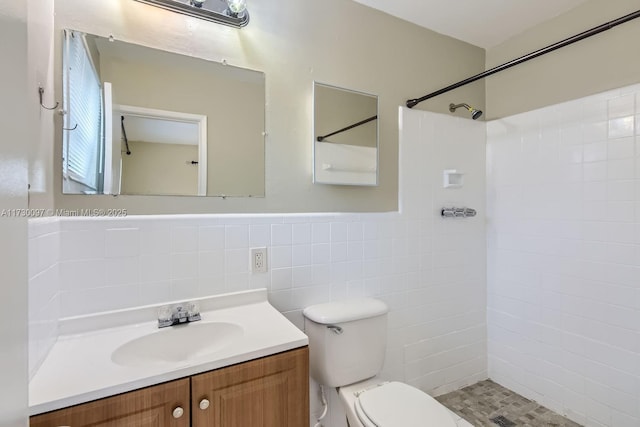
(347, 343)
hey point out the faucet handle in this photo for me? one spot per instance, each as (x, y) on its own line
(165, 316)
(193, 311)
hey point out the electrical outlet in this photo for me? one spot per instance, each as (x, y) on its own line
(258, 260)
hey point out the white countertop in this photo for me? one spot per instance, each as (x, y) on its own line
(79, 367)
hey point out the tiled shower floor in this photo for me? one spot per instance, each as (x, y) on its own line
(487, 404)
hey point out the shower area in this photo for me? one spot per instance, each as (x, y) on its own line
(562, 237)
(562, 257)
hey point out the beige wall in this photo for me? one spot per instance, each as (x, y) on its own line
(231, 98)
(16, 136)
(154, 168)
(295, 42)
(606, 61)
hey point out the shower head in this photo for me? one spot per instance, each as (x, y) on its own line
(475, 114)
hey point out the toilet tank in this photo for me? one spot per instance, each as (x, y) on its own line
(347, 340)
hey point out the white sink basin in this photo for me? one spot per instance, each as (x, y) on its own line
(105, 354)
(175, 344)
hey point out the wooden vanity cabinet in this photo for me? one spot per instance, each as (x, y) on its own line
(148, 407)
(269, 392)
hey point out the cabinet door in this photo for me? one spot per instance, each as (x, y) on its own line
(268, 392)
(149, 407)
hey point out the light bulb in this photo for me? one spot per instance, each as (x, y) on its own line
(237, 7)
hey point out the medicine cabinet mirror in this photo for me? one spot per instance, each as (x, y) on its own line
(345, 136)
(148, 122)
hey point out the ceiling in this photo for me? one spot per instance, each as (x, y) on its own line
(484, 23)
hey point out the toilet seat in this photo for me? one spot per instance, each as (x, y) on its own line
(398, 404)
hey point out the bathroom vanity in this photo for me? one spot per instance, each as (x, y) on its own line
(271, 391)
(243, 364)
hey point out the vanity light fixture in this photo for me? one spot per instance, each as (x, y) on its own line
(227, 12)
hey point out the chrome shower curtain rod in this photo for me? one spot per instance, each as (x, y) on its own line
(585, 34)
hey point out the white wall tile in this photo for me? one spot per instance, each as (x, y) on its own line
(44, 252)
(339, 232)
(588, 297)
(184, 239)
(211, 285)
(236, 261)
(260, 235)
(301, 234)
(155, 241)
(82, 244)
(302, 276)
(355, 231)
(621, 127)
(280, 257)
(236, 236)
(184, 288)
(281, 278)
(320, 232)
(48, 250)
(300, 255)
(95, 300)
(320, 253)
(281, 234)
(155, 268)
(621, 106)
(321, 274)
(355, 250)
(211, 264)
(122, 242)
(155, 292)
(122, 271)
(595, 152)
(596, 171)
(620, 148)
(211, 238)
(593, 131)
(83, 273)
(338, 252)
(184, 266)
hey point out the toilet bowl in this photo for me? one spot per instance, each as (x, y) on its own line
(376, 403)
(347, 343)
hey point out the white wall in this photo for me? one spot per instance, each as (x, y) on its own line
(564, 256)
(429, 270)
(14, 143)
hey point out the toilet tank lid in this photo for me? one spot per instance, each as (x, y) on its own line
(345, 310)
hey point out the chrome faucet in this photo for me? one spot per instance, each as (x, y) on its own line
(169, 315)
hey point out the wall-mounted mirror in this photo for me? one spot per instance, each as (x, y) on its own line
(147, 122)
(345, 136)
